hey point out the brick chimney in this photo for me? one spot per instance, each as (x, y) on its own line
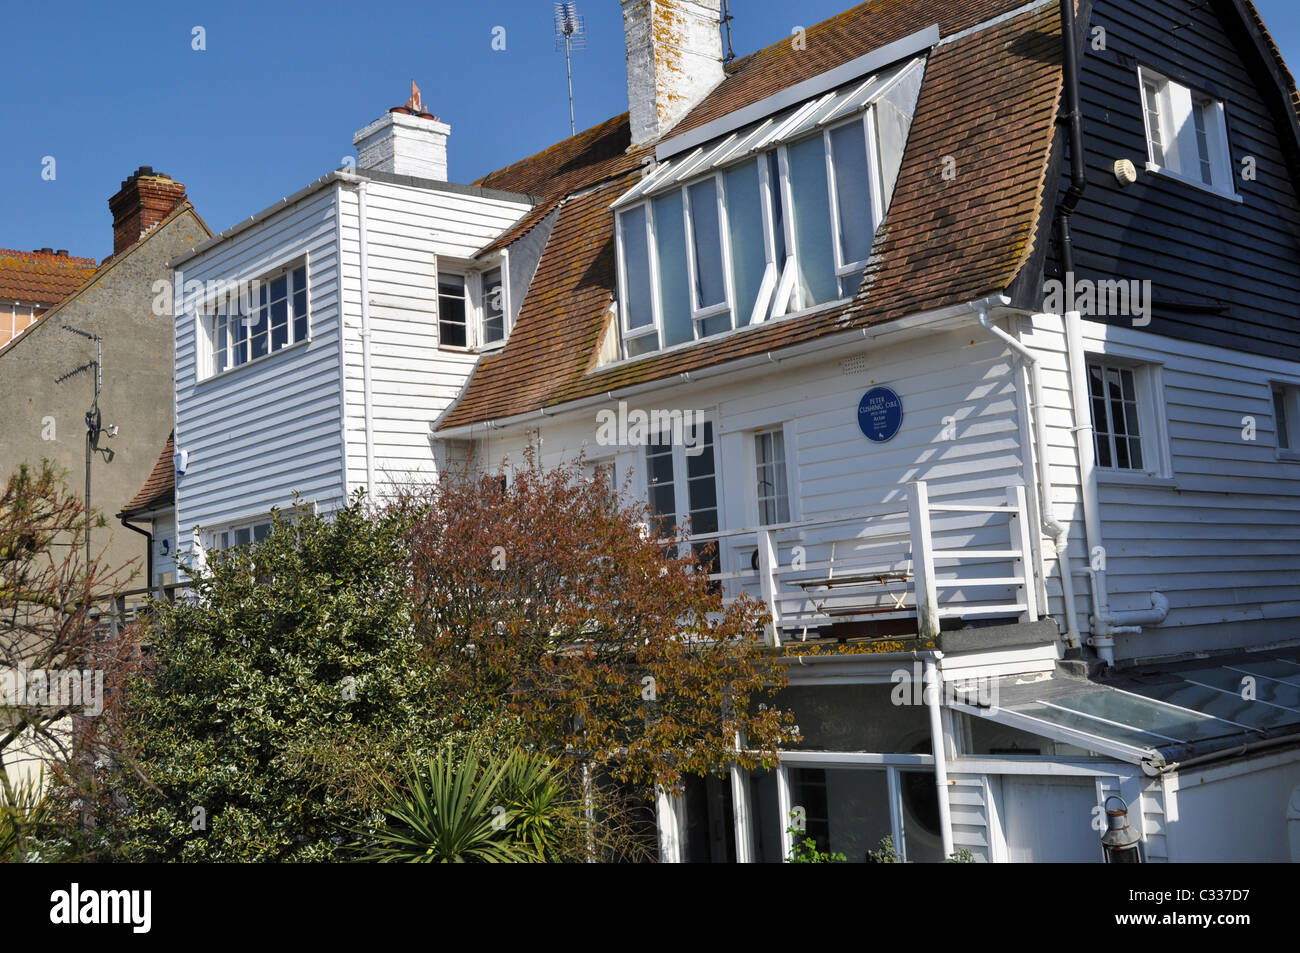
(407, 140)
(674, 59)
(144, 200)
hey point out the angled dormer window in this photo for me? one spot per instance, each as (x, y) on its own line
(774, 219)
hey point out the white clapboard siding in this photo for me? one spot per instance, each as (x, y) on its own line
(256, 435)
(408, 229)
(833, 468)
(1222, 539)
(970, 816)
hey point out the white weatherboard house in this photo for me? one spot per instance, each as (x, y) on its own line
(987, 342)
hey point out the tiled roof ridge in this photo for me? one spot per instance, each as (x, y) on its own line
(47, 256)
(109, 263)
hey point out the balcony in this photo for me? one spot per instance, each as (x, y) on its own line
(904, 566)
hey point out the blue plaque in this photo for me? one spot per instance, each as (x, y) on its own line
(880, 414)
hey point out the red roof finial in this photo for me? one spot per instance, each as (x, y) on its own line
(413, 103)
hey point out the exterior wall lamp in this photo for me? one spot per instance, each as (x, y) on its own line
(1121, 843)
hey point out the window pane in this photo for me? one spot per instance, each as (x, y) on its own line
(702, 486)
(279, 323)
(773, 496)
(674, 279)
(451, 311)
(1279, 415)
(659, 477)
(238, 342)
(812, 223)
(710, 283)
(1151, 98)
(852, 191)
(494, 314)
(300, 304)
(745, 225)
(638, 309)
(1202, 144)
(778, 206)
(258, 336)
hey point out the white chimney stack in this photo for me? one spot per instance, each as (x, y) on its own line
(674, 59)
(406, 140)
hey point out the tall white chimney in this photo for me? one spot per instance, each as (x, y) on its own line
(406, 140)
(674, 59)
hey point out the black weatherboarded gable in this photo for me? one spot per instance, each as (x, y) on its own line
(1222, 273)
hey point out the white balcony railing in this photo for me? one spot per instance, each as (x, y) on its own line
(905, 559)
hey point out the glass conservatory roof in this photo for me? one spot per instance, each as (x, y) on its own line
(1158, 716)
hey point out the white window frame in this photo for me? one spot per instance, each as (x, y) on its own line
(627, 334)
(1290, 394)
(700, 314)
(481, 303)
(874, 183)
(468, 278)
(755, 506)
(211, 537)
(1153, 433)
(1177, 104)
(206, 318)
(681, 478)
(777, 287)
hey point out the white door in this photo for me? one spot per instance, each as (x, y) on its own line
(1049, 820)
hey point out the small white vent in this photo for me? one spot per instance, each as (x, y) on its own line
(853, 365)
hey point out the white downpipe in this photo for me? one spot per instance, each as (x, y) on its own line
(1105, 623)
(933, 688)
(367, 402)
(1059, 533)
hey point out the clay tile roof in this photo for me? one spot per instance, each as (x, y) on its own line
(989, 100)
(845, 36)
(592, 156)
(41, 277)
(160, 489)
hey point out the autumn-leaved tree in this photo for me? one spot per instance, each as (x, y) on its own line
(553, 594)
(57, 665)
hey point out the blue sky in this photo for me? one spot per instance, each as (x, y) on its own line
(274, 99)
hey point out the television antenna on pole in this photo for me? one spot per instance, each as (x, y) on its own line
(94, 421)
(571, 31)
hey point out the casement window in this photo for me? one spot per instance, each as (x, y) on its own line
(776, 218)
(1131, 438)
(234, 537)
(453, 315)
(773, 487)
(1187, 133)
(681, 482)
(270, 315)
(1286, 419)
(1116, 420)
(493, 321)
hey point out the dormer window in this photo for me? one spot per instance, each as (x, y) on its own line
(473, 308)
(1187, 134)
(773, 219)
